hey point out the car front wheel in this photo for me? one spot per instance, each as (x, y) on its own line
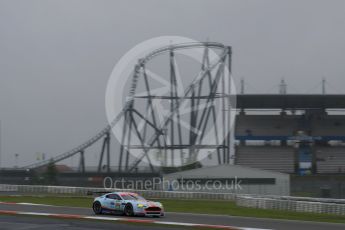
(129, 210)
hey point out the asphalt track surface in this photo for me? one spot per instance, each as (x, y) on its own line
(8, 222)
(19, 222)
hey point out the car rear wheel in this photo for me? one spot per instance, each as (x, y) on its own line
(129, 210)
(97, 208)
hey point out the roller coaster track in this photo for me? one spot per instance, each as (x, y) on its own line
(105, 132)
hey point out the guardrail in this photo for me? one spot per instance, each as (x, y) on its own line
(299, 198)
(291, 205)
(286, 203)
(83, 191)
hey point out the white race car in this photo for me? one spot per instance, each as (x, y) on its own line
(127, 203)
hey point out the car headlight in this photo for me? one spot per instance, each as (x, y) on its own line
(140, 205)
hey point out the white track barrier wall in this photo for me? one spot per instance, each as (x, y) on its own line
(291, 205)
(287, 203)
(83, 191)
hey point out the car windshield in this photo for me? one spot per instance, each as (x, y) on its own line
(132, 197)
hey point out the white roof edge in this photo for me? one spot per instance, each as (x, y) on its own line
(227, 165)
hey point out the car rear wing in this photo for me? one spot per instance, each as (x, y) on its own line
(97, 193)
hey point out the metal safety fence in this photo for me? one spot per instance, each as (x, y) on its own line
(82, 191)
(293, 205)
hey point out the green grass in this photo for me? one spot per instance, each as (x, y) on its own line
(230, 208)
(51, 200)
(191, 206)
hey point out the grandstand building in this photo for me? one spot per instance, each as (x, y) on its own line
(296, 134)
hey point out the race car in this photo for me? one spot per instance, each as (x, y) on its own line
(126, 203)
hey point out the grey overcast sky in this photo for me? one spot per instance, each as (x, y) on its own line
(56, 57)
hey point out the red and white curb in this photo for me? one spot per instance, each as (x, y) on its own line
(107, 218)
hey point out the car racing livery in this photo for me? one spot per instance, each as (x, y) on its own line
(127, 203)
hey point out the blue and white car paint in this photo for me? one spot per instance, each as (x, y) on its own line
(127, 203)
